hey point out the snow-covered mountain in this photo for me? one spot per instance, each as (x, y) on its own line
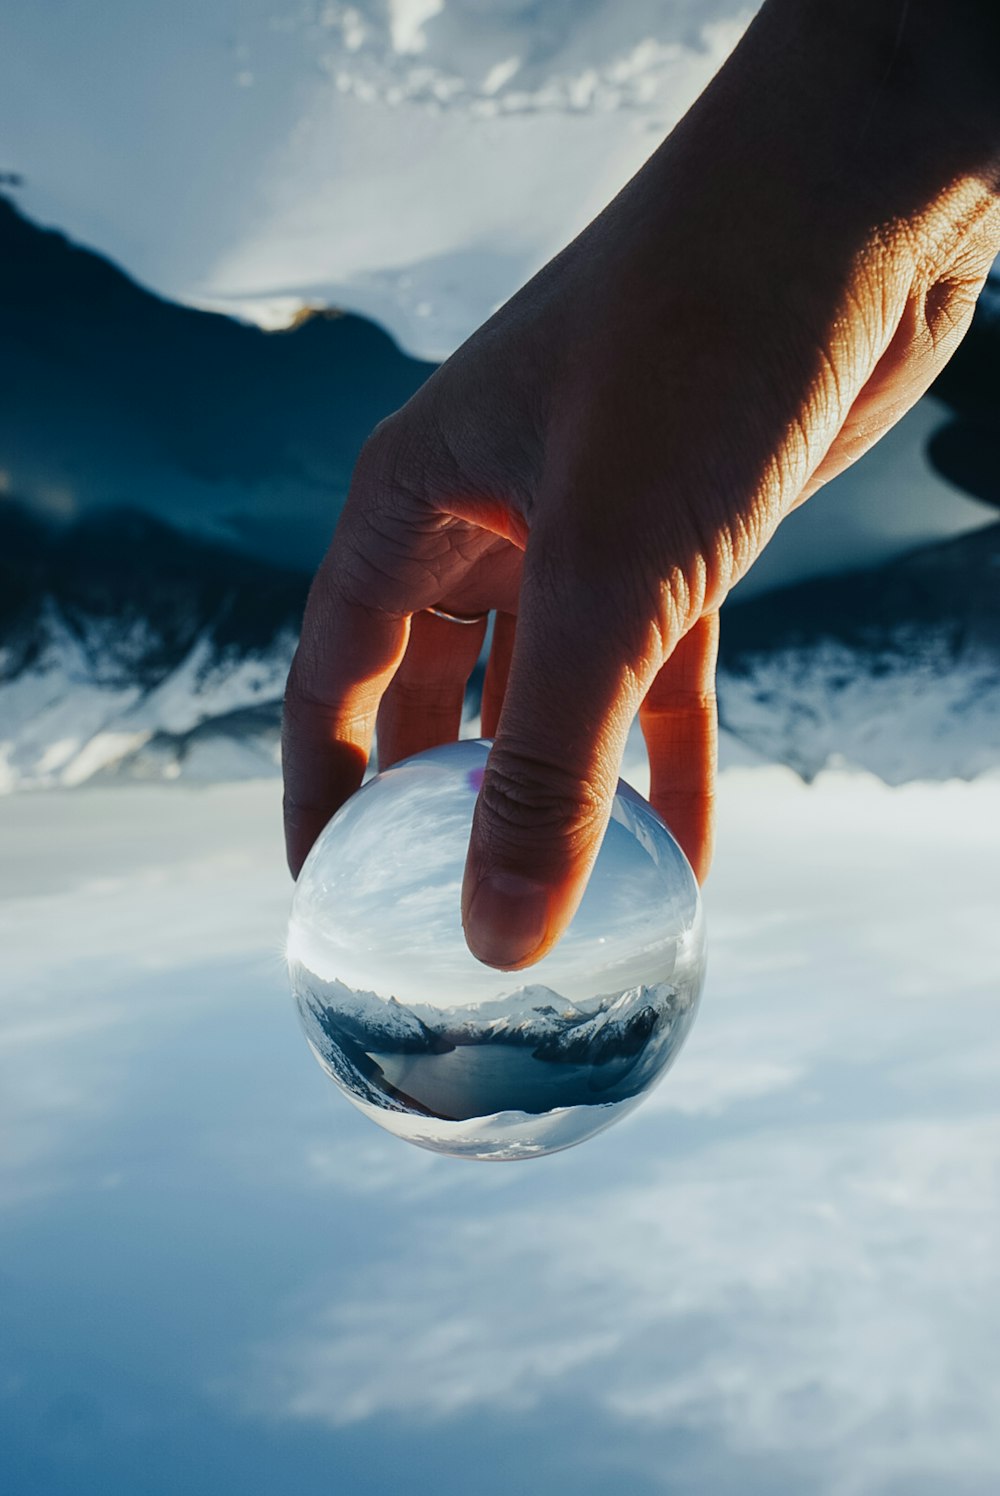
(129, 649)
(607, 1050)
(532, 1016)
(168, 478)
(895, 670)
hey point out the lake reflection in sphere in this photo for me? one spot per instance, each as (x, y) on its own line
(456, 1056)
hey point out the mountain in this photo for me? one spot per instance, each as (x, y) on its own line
(610, 1026)
(129, 647)
(116, 398)
(530, 1051)
(966, 450)
(168, 479)
(895, 669)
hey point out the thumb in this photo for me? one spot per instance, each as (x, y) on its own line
(552, 773)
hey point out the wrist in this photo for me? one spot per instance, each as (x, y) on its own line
(922, 77)
(883, 116)
(815, 154)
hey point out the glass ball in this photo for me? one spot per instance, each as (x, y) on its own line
(454, 1055)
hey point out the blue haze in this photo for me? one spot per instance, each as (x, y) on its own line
(778, 1275)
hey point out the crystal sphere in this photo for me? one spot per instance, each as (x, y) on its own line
(451, 1054)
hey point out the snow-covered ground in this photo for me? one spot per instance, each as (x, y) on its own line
(778, 1276)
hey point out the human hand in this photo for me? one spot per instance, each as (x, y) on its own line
(606, 457)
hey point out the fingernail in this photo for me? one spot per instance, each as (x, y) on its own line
(507, 920)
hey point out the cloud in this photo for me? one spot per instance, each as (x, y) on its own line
(443, 152)
(788, 1253)
(523, 58)
(110, 936)
(830, 1294)
(414, 159)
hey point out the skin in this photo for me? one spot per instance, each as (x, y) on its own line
(607, 456)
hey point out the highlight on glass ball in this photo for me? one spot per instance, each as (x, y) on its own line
(451, 1054)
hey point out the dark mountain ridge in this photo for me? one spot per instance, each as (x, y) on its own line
(966, 451)
(895, 669)
(952, 587)
(181, 473)
(115, 397)
(166, 643)
(115, 570)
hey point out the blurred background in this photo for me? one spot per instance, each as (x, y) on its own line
(234, 236)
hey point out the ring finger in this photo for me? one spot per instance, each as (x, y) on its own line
(422, 705)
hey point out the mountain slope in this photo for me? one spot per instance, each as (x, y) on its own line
(128, 646)
(895, 670)
(114, 397)
(182, 472)
(966, 451)
(134, 650)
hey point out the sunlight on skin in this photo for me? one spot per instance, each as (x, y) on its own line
(637, 434)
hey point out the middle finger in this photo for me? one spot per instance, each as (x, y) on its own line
(422, 706)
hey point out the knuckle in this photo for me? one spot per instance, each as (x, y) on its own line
(666, 701)
(381, 442)
(304, 675)
(384, 479)
(525, 801)
(301, 707)
(296, 689)
(400, 460)
(370, 576)
(426, 696)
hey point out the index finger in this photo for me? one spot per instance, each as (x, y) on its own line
(347, 654)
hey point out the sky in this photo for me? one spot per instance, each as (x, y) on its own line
(416, 160)
(778, 1275)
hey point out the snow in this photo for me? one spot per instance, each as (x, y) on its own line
(921, 702)
(912, 713)
(66, 718)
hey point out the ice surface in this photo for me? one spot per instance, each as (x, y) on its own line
(454, 1055)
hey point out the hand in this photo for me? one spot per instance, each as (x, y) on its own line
(606, 457)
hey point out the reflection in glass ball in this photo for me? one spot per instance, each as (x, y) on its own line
(449, 1053)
